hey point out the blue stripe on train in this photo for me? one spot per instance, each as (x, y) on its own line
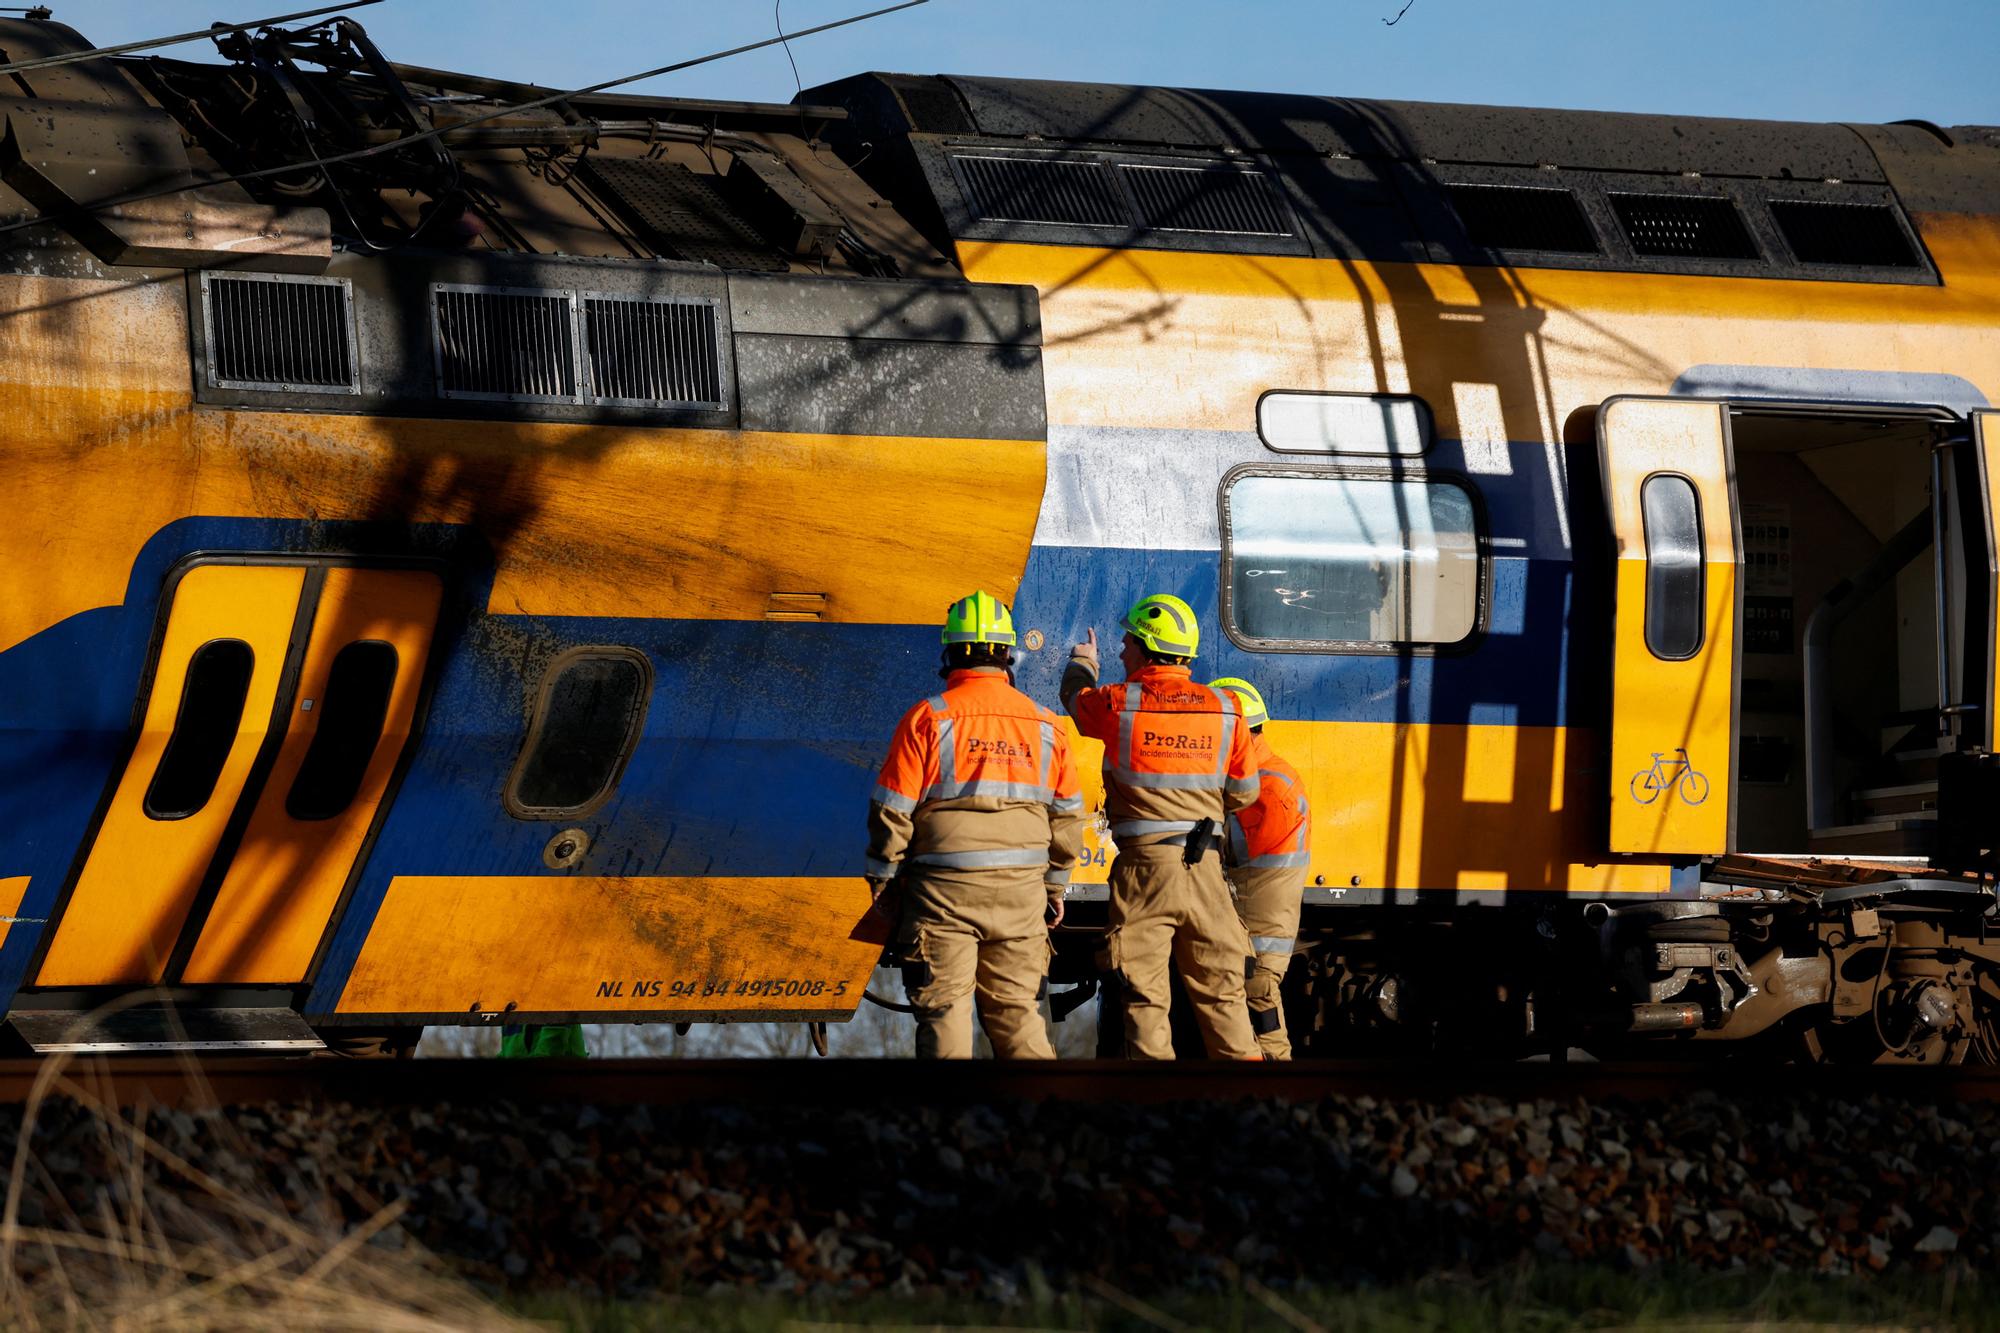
(761, 741)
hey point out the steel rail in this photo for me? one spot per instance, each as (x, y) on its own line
(188, 1082)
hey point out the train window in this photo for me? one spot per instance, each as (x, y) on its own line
(586, 722)
(1326, 559)
(1344, 423)
(211, 713)
(1675, 574)
(352, 710)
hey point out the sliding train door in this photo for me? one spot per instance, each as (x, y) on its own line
(1972, 701)
(281, 699)
(1669, 486)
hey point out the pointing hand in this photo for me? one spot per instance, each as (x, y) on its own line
(1087, 650)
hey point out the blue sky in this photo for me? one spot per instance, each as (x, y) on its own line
(1773, 59)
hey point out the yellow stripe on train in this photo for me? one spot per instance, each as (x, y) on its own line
(1432, 806)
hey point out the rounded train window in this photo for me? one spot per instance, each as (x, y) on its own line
(1675, 574)
(1340, 562)
(587, 719)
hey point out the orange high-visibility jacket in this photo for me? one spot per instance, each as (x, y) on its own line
(978, 777)
(1175, 751)
(1273, 829)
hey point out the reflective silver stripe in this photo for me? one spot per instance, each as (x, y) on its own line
(1068, 803)
(948, 752)
(989, 636)
(1271, 943)
(1239, 846)
(877, 869)
(1139, 828)
(936, 701)
(1246, 786)
(1006, 791)
(1228, 731)
(893, 800)
(1056, 876)
(1122, 760)
(1281, 859)
(1174, 781)
(1001, 857)
(1048, 750)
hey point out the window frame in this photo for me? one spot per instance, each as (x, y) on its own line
(1700, 562)
(538, 716)
(1426, 420)
(1482, 590)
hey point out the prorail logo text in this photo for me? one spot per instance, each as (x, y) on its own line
(1154, 740)
(982, 748)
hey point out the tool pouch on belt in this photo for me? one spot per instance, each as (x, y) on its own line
(1111, 960)
(1263, 1021)
(1198, 839)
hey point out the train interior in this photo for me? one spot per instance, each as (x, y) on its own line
(1839, 691)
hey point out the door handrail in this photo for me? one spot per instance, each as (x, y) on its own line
(1840, 602)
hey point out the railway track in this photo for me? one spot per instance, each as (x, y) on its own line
(833, 1083)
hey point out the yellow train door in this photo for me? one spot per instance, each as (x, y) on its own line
(1670, 490)
(282, 697)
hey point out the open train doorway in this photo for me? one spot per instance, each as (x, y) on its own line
(1805, 624)
(1839, 695)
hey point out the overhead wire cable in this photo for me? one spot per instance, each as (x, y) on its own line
(153, 43)
(407, 140)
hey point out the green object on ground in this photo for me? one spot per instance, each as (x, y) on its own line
(559, 1041)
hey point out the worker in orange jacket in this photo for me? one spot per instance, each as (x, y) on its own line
(1177, 760)
(1265, 857)
(978, 817)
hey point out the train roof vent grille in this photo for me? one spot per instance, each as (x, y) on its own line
(504, 343)
(1683, 226)
(1208, 199)
(679, 214)
(1062, 191)
(1858, 235)
(279, 332)
(1523, 217)
(653, 352)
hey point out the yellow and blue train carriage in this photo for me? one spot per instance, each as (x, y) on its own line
(477, 589)
(1603, 501)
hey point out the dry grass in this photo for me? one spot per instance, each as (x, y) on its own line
(154, 1241)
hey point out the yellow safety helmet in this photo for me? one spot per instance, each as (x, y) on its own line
(980, 618)
(1246, 694)
(1164, 624)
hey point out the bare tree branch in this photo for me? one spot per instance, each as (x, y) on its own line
(1390, 23)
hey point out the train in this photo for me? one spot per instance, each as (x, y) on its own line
(468, 545)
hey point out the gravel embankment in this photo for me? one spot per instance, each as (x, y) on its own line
(987, 1199)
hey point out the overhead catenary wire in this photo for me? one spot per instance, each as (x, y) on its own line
(407, 140)
(154, 43)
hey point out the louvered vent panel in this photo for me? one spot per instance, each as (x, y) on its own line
(679, 214)
(267, 332)
(1862, 235)
(1522, 217)
(1210, 199)
(1683, 226)
(504, 344)
(1018, 189)
(659, 353)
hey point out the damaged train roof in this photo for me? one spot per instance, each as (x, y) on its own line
(307, 140)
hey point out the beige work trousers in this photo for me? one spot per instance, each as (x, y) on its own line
(1162, 909)
(1267, 902)
(981, 934)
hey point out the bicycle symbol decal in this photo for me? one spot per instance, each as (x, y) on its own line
(1649, 783)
